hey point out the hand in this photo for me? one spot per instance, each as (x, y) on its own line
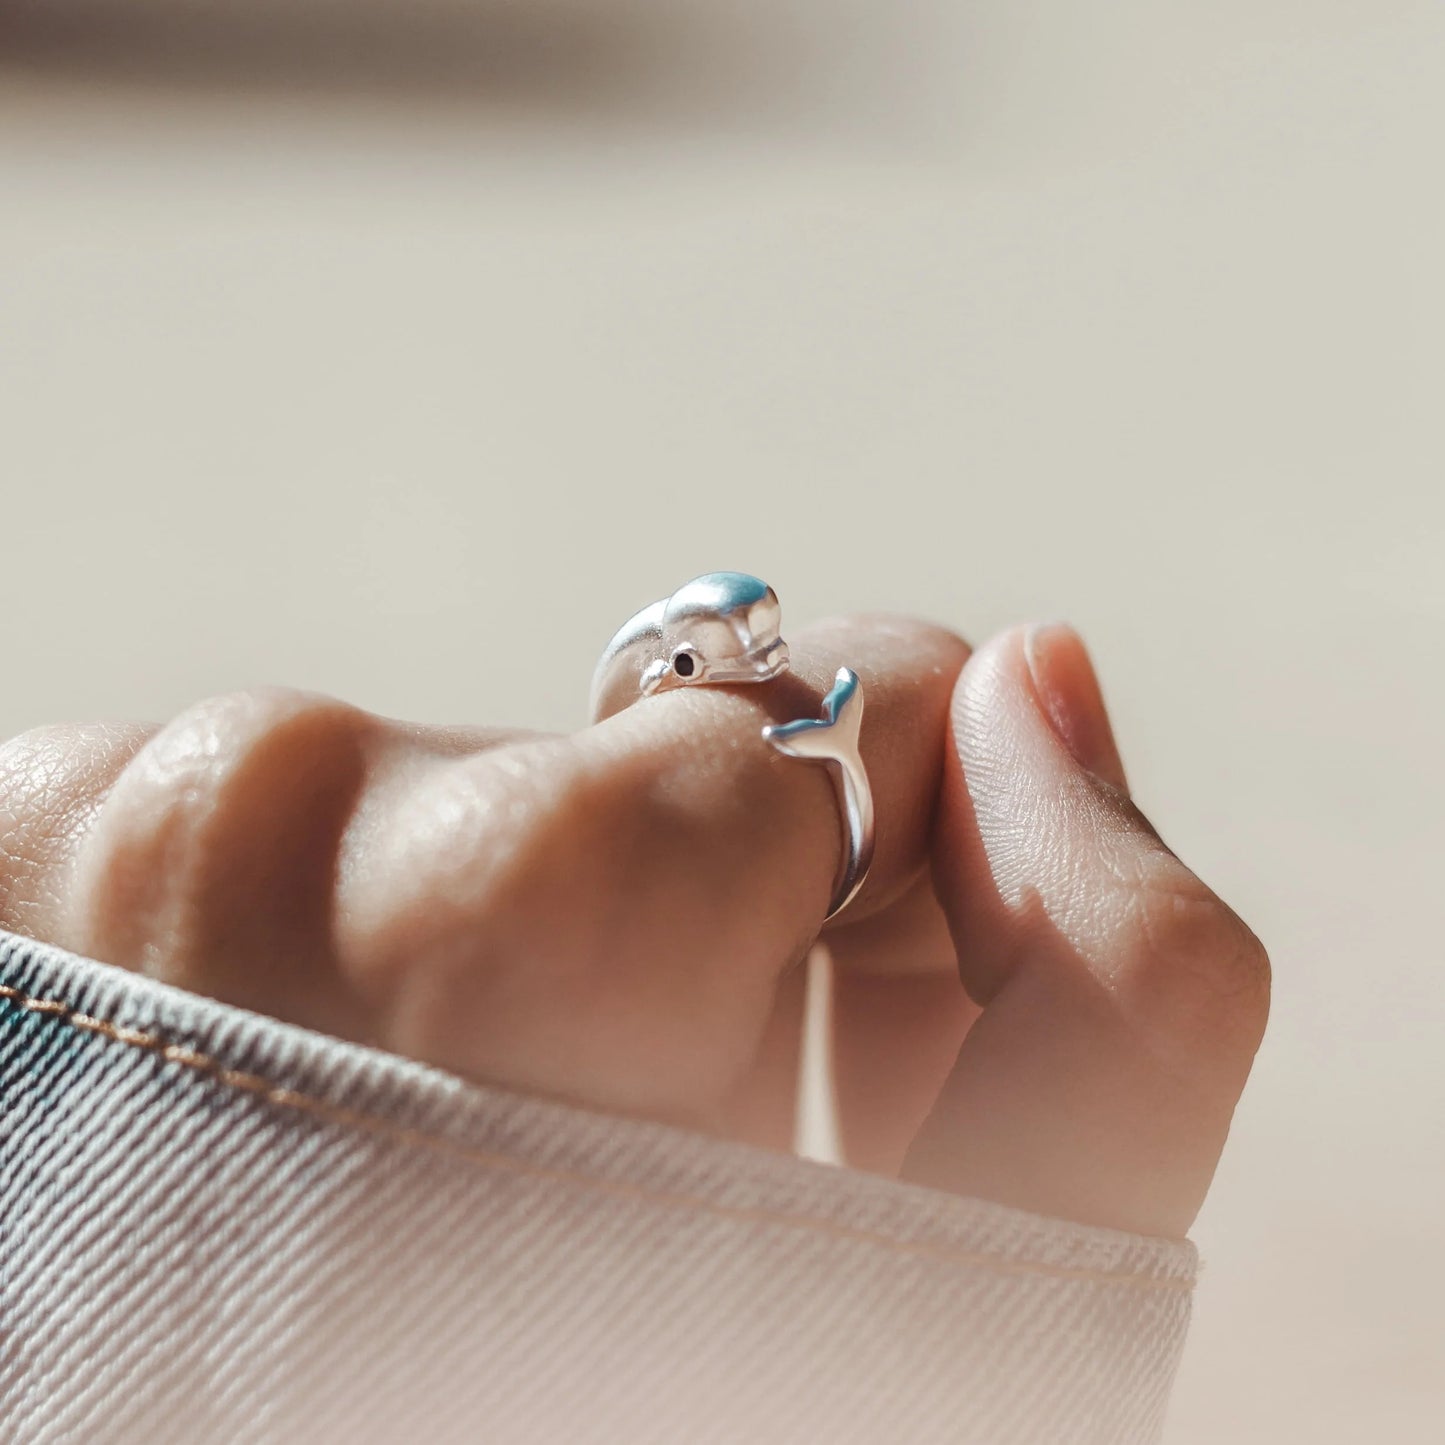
(618, 917)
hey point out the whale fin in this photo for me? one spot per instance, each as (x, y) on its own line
(833, 736)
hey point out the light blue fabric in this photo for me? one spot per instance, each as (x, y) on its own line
(214, 1227)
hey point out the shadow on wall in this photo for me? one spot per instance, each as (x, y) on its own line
(744, 61)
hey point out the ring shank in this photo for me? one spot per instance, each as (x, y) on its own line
(725, 626)
(855, 803)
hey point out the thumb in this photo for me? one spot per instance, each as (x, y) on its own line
(1122, 1000)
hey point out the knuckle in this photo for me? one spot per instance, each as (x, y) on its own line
(933, 635)
(32, 768)
(31, 809)
(51, 781)
(228, 749)
(910, 636)
(44, 766)
(222, 783)
(1198, 968)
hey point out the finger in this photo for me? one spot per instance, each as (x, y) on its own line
(211, 863)
(1122, 1001)
(198, 851)
(763, 1108)
(52, 782)
(900, 1014)
(609, 916)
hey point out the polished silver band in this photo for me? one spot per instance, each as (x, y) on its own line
(724, 628)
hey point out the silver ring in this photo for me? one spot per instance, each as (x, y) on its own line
(723, 629)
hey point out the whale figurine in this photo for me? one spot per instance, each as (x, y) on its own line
(722, 627)
(725, 627)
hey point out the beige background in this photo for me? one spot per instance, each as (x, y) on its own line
(400, 353)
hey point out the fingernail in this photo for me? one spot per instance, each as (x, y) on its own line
(1069, 694)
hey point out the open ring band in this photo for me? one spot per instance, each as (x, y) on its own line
(724, 628)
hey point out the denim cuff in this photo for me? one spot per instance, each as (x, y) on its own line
(216, 1227)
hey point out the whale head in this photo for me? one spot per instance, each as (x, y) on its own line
(720, 628)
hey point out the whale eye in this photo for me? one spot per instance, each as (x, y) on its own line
(684, 664)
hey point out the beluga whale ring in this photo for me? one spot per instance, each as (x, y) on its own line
(723, 629)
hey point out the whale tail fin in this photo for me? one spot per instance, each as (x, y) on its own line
(832, 736)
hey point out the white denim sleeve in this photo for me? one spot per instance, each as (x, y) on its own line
(217, 1228)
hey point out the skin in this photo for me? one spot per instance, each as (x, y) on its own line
(1035, 1000)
